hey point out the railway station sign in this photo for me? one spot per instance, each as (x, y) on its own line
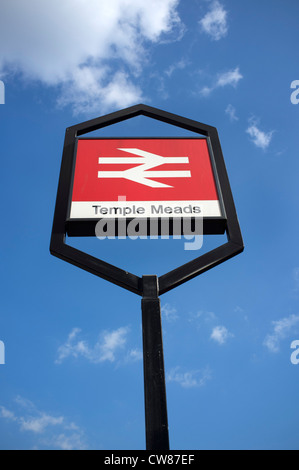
(151, 180)
(147, 180)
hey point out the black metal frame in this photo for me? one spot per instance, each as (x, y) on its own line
(124, 279)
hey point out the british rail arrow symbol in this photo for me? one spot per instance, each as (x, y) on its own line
(145, 161)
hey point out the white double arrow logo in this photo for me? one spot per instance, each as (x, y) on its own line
(141, 174)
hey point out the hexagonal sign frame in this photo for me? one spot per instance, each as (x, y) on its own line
(113, 274)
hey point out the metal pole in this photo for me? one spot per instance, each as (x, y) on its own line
(156, 421)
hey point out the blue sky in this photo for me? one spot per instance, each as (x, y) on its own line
(73, 377)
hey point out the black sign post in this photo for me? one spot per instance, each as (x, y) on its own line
(150, 288)
(156, 421)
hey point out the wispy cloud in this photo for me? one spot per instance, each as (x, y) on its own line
(169, 313)
(202, 318)
(232, 77)
(214, 23)
(229, 78)
(49, 430)
(209, 322)
(134, 355)
(87, 91)
(180, 65)
(97, 62)
(221, 335)
(38, 424)
(232, 113)
(240, 311)
(190, 379)
(105, 349)
(7, 414)
(67, 442)
(109, 344)
(281, 330)
(260, 138)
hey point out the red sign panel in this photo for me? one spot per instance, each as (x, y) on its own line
(160, 177)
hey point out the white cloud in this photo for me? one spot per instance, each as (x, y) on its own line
(111, 342)
(169, 313)
(38, 424)
(191, 379)
(230, 78)
(90, 94)
(49, 430)
(69, 348)
(202, 318)
(180, 65)
(214, 23)
(105, 349)
(92, 49)
(7, 414)
(281, 330)
(260, 138)
(68, 442)
(232, 113)
(134, 355)
(220, 335)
